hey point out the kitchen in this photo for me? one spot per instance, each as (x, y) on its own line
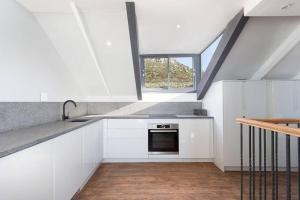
(109, 100)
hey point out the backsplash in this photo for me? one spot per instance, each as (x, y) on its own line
(127, 108)
(15, 115)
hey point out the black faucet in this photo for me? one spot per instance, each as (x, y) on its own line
(64, 116)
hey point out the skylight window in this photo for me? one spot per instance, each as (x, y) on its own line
(169, 73)
(208, 53)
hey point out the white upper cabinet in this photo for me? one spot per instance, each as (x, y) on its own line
(27, 174)
(196, 138)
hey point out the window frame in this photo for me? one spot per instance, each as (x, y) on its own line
(196, 58)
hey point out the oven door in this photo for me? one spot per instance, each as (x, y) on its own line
(162, 141)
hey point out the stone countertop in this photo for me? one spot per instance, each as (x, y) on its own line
(150, 116)
(17, 140)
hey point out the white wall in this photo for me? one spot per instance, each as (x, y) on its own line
(29, 64)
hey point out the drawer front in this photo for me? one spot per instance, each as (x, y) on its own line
(126, 124)
(125, 133)
(126, 148)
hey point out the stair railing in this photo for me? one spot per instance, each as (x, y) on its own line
(264, 127)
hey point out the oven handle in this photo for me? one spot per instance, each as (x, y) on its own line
(163, 131)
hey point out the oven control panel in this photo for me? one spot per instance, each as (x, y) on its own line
(162, 126)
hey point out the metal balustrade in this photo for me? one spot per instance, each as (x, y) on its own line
(261, 128)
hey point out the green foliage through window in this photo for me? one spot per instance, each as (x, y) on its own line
(165, 73)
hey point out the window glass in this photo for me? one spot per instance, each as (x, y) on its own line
(156, 72)
(181, 72)
(208, 53)
(169, 73)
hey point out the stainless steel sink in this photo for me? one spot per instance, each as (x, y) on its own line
(187, 116)
(79, 120)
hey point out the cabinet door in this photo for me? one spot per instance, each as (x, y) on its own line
(90, 141)
(126, 123)
(284, 99)
(254, 94)
(126, 143)
(27, 174)
(99, 151)
(68, 164)
(195, 138)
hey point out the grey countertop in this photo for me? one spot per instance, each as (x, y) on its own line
(17, 140)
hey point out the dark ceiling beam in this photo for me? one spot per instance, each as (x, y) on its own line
(133, 33)
(230, 36)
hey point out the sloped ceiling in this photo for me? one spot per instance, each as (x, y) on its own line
(105, 22)
(272, 8)
(258, 41)
(288, 67)
(201, 21)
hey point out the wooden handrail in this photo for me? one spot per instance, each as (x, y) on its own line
(272, 125)
(281, 120)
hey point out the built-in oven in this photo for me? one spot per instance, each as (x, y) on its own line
(163, 139)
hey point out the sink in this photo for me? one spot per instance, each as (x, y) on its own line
(136, 115)
(187, 116)
(79, 120)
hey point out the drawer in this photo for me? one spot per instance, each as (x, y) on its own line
(126, 133)
(126, 148)
(126, 124)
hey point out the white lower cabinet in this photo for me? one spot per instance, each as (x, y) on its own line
(53, 170)
(195, 138)
(99, 145)
(121, 141)
(90, 148)
(68, 164)
(27, 174)
(126, 143)
(58, 168)
(125, 138)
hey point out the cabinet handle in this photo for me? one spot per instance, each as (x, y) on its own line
(163, 131)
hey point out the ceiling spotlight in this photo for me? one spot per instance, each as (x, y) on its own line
(178, 26)
(108, 43)
(287, 6)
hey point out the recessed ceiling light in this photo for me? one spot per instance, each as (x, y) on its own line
(178, 26)
(108, 43)
(287, 6)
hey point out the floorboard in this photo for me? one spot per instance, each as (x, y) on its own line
(165, 181)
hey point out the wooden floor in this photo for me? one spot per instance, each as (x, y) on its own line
(167, 181)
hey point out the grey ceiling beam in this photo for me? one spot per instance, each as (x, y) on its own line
(133, 33)
(230, 36)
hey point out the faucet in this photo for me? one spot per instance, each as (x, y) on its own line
(64, 116)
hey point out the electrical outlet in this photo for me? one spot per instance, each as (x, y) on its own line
(44, 97)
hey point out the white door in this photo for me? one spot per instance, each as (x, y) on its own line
(27, 174)
(195, 138)
(68, 164)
